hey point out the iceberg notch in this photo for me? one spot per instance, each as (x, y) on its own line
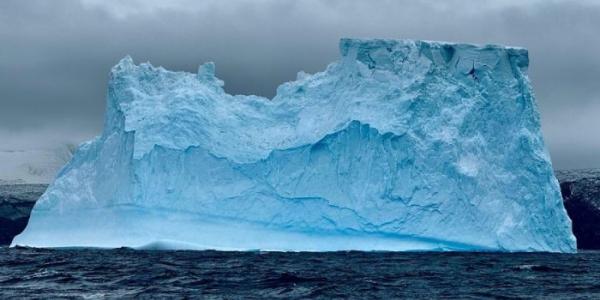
(399, 145)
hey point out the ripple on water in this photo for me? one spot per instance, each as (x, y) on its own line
(93, 273)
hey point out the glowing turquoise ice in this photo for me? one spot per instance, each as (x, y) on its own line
(400, 145)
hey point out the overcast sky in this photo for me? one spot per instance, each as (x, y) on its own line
(55, 55)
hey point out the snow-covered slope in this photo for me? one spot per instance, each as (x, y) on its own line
(400, 145)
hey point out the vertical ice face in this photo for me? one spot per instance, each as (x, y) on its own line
(400, 145)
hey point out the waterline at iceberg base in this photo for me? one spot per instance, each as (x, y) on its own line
(399, 145)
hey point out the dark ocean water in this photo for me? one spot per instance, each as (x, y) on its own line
(125, 273)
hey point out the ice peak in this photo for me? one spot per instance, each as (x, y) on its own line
(206, 70)
(125, 64)
(206, 73)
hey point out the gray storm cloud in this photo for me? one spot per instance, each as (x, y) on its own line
(55, 55)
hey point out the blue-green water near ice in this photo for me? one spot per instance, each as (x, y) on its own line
(125, 273)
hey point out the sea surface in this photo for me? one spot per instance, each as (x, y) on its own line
(125, 273)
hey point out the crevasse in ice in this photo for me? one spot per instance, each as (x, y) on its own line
(399, 145)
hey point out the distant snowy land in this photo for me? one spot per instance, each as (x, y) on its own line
(33, 165)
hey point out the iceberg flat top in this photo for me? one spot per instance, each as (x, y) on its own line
(399, 145)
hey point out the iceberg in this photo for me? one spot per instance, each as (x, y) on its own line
(399, 145)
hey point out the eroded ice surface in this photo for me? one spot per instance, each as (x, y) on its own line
(399, 145)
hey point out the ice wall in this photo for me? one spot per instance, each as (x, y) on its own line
(399, 145)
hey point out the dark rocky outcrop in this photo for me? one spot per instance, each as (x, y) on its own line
(16, 202)
(581, 193)
(580, 190)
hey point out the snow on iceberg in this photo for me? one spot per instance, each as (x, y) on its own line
(399, 145)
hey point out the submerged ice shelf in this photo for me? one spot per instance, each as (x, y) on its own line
(399, 145)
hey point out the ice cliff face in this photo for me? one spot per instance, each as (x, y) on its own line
(400, 145)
